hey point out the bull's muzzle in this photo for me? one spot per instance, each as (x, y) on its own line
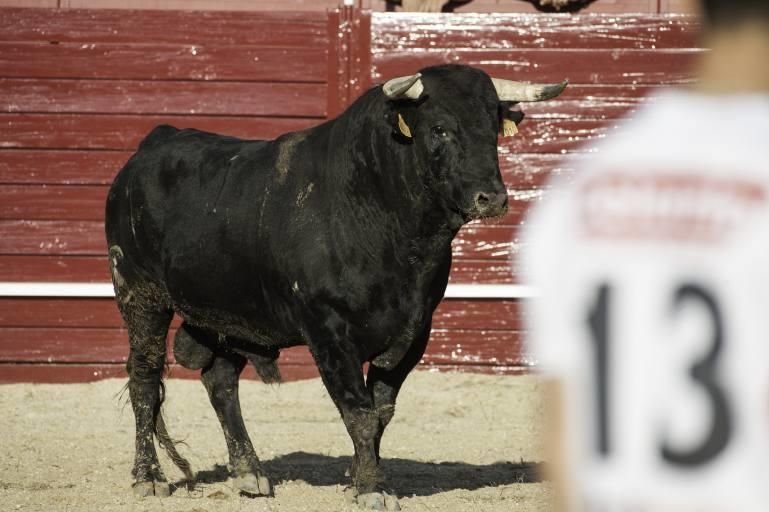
(489, 204)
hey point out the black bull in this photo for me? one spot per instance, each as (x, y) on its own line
(337, 237)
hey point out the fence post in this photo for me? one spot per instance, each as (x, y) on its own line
(349, 56)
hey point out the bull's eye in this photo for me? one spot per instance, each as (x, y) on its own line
(439, 132)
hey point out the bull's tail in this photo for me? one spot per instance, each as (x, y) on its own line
(168, 444)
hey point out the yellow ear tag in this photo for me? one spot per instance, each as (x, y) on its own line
(404, 128)
(509, 128)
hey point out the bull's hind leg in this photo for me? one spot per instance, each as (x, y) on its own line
(221, 382)
(147, 329)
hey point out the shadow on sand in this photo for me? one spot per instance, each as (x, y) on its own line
(407, 477)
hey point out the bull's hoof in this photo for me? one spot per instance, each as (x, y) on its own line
(151, 488)
(372, 500)
(252, 484)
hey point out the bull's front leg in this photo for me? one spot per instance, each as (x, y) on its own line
(384, 383)
(342, 373)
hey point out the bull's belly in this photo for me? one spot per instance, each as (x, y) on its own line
(245, 328)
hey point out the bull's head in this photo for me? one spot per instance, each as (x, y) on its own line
(452, 115)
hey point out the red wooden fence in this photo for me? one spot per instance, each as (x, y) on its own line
(80, 88)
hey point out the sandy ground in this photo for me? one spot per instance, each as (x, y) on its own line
(458, 442)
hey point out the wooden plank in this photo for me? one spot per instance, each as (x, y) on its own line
(86, 238)
(520, 171)
(580, 101)
(105, 345)
(63, 345)
(52, 237)
(225, 5)
(516, 31)
(43, 312)
(265, 29)
(557, 136)
(482, 314)
(360, 53)
(678, 6)
(148, 97)
(59, 373)
(469, 271)
(158, 97)
(162, 62)
(86, 202)
(588, 66)
(62, 202)
(477, 347)
(124, 132)
(593, 102)
(70, 373)
(531, 171)
(335, 71)
(103, 313)
(60, 167)
(78, 269)
(91, 345)
(29, 3)
(487, 241)
(94, 269)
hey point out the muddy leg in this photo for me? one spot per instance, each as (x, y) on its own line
(147, 336)
(384, 384)
(221, 382)
(342, 374)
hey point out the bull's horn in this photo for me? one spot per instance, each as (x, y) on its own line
(507, 90)
(404, 87)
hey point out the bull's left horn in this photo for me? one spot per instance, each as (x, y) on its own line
(404, 87)
(508, 90)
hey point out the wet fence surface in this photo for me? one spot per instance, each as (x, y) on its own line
(80, 87)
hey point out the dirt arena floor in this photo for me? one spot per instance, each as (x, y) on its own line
(458, 442)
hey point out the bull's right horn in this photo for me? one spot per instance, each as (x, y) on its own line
(508, 90)
(404, 87)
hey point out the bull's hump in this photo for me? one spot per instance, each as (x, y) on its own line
(158, 135)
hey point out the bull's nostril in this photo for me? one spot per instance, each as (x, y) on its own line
(481, 200)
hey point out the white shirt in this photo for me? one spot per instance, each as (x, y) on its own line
(653, 270)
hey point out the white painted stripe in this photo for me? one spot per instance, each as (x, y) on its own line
(453, 291)
(22, 289)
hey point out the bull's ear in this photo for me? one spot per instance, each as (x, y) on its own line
(509, 128)
(509, 118)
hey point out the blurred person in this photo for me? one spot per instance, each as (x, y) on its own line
(652, 325)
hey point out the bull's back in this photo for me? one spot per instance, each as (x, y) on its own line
(176, 207)
(221, 229)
